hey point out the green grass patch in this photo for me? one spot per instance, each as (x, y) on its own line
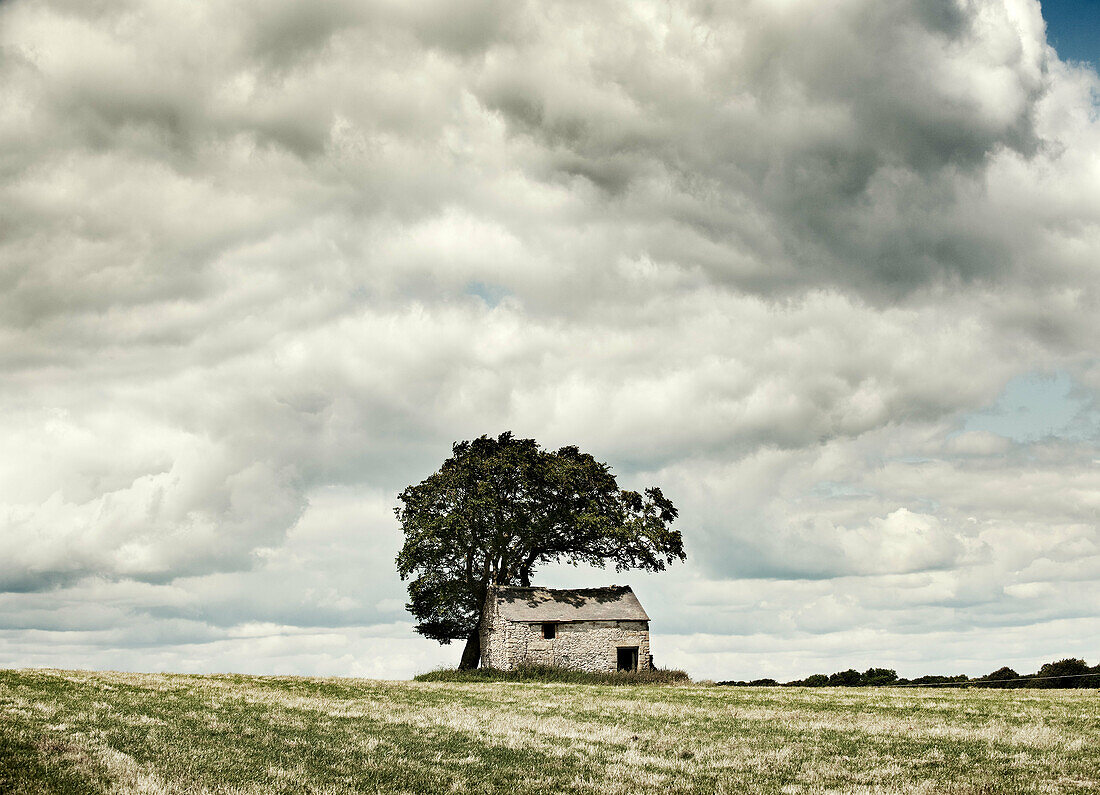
(87, 733)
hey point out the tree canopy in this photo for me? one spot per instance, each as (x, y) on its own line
(498, 509)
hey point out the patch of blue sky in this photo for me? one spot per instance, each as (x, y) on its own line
(1073, 29)
(1039, 406)
(491, 294)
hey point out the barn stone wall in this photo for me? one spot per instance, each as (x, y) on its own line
(582, 645)
(494, 637)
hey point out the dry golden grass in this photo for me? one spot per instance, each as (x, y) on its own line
(76, 732)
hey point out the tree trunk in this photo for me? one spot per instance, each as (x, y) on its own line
(471, 655)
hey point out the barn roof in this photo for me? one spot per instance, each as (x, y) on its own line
(613, 603)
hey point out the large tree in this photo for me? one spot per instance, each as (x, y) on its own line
(497, 509)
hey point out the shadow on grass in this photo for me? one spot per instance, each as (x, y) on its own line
(45, 765)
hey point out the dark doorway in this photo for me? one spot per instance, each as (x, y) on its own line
(627, 658)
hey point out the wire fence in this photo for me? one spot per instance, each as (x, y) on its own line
(979, 682)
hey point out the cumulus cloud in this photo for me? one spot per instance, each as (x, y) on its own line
(260, 265)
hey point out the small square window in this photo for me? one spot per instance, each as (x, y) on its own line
(549, 631)
(626, 658)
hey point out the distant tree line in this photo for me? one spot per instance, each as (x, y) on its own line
(1067, 673)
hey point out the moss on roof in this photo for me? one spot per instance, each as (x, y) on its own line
(610, 603)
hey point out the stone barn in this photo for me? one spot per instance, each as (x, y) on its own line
(589, 629)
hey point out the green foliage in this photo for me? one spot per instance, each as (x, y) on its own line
(872, 677)
(1002, 677)
(1068, 670)
(1067, 673)
(849, 678)
(877, 677)
(498, 509)
(550, 673)
(936, 679)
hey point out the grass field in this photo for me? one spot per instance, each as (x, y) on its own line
(77, 732)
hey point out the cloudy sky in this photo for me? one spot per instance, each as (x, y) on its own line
(826, 272)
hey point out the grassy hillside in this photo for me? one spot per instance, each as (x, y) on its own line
(73, 732)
